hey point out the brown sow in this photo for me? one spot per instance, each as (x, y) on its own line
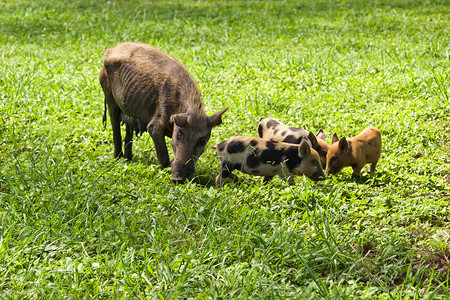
(148, 90)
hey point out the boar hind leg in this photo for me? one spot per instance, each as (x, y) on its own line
(128, 142)
(373, 166)
(114, 114)
(158, 137)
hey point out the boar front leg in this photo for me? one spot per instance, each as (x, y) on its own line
(373, 166)
(156, 131)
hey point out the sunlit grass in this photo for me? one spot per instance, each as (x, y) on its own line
(75, 223)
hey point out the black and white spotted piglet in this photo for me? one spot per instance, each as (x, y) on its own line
(271, 129)
(256, 156)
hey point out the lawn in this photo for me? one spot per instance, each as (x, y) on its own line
(74, 223)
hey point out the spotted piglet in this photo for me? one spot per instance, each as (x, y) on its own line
(256, 156)
(355, 152)
(271, 129)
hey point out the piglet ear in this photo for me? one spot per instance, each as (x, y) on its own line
(179, 119)
(335, 138)
(343, 144)
(304, 149)
(321, 135)
(216, 119)
(312, 138)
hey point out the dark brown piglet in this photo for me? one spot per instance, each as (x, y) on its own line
(256, 156)
(271, 129)
(354, 152)
(146, 88)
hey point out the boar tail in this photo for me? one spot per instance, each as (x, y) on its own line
(104, 117)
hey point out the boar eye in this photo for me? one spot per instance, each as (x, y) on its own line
(180, 135)
(201, 142)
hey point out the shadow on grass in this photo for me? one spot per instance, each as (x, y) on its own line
(201, 176)
(144, 160)
(206, 180)
(375, 179)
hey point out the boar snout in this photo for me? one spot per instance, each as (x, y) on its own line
(179, 180)
(182, 172)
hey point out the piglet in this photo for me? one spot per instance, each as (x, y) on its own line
(256, 156)
(354, 152)
(271, 129)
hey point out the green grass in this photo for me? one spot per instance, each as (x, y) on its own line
(74, 223)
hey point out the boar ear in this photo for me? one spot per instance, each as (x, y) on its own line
(304, 149)
(179, 119)
(343, 144)
(312, 138)
(321, 135)
(335, 138)
(216, 119)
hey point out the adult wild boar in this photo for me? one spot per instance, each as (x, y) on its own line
(154, 90)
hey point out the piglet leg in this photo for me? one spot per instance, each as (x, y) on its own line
(266, 179)
(357, 171)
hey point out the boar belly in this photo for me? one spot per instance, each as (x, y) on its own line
(262, 170)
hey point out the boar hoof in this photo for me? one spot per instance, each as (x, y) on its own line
(118, 156)
(179, 180)
(163, 166)
(356, 176)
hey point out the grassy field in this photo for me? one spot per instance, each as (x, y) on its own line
(75, 224)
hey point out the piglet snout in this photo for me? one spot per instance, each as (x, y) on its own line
(318, 177)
